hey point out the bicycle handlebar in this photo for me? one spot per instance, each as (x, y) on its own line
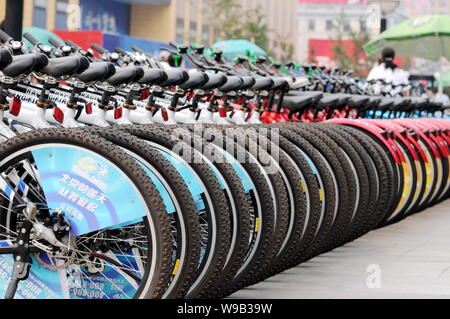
(121, 51)
(30, 38)
(137, 49)
(98, 48)
(55, 42)
(4, 37)
(73, 45)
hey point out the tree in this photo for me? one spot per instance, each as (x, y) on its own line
(353, 57)
(229, 21)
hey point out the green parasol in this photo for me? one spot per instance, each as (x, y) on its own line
(425, 37)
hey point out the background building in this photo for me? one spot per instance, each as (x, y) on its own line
(321, 22)
(185, 21)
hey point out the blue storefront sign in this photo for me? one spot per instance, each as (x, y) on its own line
(105, 15)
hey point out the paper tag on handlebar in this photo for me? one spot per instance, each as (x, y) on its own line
(118, 113)
(15, 106)
(58, 114)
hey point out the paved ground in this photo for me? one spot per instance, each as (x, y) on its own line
(410, 259)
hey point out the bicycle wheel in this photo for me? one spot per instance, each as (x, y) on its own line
(92, 222)
(180, 205)
(208, 193)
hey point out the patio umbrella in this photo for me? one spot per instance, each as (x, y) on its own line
(42, 35)
(425, 37)
(233, 48)
(444, 80)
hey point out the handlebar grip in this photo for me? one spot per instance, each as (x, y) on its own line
(55, 43)
(121, 51)
(30, 38)
(98, 48)
(4, 37)
(173, 44)
(137, 49)
(73, 45)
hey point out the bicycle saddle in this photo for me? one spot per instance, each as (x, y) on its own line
(97, 71)
(247, 82)
(358, 101)
(406, 104)
(343, 99)
(278, 83)
(5, 58)
(420, 102)
(233, 83)
(397, 103)
(175, 77)
(21, 64)
(296, 103)
(374, 101)
(41, 61)
(316, 95)
(262, 83)
(58, 67)
(196, 81)
(385, 103)
(215, 81)
(152, 76)
(328, 100)
(124, 75)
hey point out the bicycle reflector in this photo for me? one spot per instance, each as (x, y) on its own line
(223, 112)
(89, 108)
(164, 114)
(14, 106)
(58, 114)
(145, 94)
(118, 113)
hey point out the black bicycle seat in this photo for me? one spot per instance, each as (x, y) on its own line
(41, 61)
(215, 81)
(196, 81)
(316, 95)
(111, 70)
(343, 99)
(21, 64)
(278, 83)
(123, 75)
(58, 67)
(233, 83)
(358, 101)
(262, 83)
(152, 76)
(418, 102)
(296, 103)
(97, 71)
(385, 103)
(247, 82)
(5, 58)
(398, 103)
(329, 100)
(84, 65)
(374, 101)
(175, 77)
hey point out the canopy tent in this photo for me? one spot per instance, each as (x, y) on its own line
(234, 48)
(425, 37)
(42, 35)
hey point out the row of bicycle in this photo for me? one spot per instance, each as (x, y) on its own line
(188, 211)
(196, 210)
